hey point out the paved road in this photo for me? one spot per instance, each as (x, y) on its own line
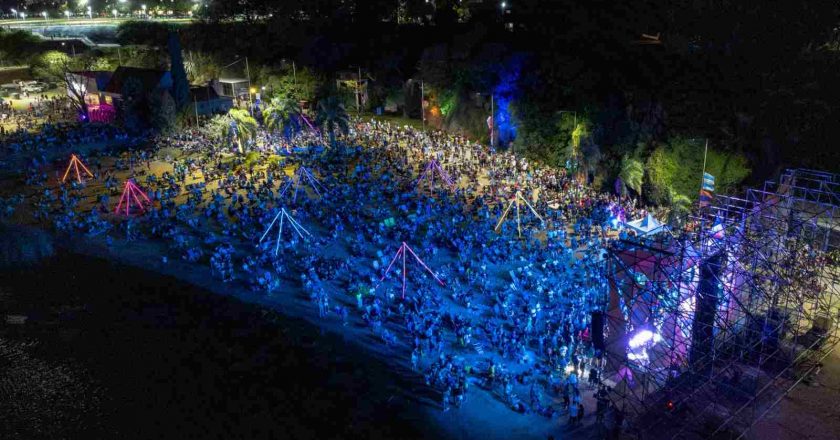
(40, 23)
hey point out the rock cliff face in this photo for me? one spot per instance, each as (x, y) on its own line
(22, 245)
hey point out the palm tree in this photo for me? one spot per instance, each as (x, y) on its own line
(579, 132)
(240, 126)
(631, 174)
(332, 115)
(590, 157)
(679, 207)
(283, 115)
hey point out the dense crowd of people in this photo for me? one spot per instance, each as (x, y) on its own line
(503, 313)
(39, 110)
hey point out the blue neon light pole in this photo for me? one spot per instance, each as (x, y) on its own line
(493, 120)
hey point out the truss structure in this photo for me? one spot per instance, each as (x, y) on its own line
(708, 328)
(402, 252)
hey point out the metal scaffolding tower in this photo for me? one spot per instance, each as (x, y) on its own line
(708, 327)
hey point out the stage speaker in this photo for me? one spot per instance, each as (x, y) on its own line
(598, 331)
(823, 324)
(708, 294)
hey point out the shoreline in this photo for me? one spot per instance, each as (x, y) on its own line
(484, 413)
(481, 416)
(162, 358)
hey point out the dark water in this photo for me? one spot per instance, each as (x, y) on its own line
(115, 352)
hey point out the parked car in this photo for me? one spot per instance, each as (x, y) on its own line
(32, 88)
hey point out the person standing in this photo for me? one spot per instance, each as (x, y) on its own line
(573, 414)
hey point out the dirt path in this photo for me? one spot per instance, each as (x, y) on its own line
(809, 411)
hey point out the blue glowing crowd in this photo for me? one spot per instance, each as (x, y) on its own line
(502, 268)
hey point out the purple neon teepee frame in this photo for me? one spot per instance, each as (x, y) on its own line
(401, 251)
(130, 191)
(428, 175)
(302, 175)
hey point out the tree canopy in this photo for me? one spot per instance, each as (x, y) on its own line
(678, 166)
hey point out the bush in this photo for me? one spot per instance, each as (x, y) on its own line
(252, 159)
(143, 32)
(678, 166)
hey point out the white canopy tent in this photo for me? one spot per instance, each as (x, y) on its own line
(646, 226)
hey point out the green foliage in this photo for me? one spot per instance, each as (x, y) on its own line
(465, 116)
(540, 139)
(558, 138)
(333, 116)
(275, 161)
(201, 67)
(678, 166)
(101, 63)
(298, 84)
(447, 99)
(578, 133)
(251, 160)
(717, 73)
(143, 32)
(236, 126)
(679, 207)
(590, 155)
(632, 173)
(142, 56)
(50, 66)
(185, 118)
(18, 46)
(164, 116)
(282, 115)
(217, 126)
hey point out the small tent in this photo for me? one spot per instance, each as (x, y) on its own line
(646, 226)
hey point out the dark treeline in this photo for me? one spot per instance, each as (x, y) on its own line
(755, 78)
